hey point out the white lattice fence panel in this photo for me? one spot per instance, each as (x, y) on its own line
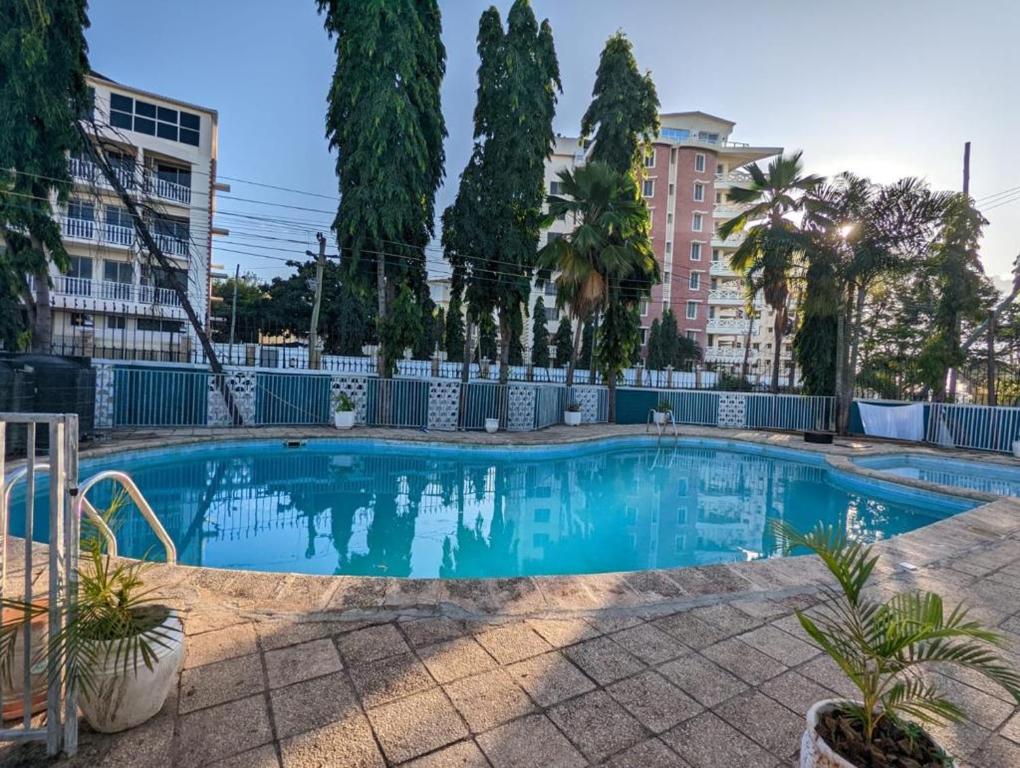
(356, 388)
(105, 395)
(588, 399)
(444, 405)
(732, 411)
(520, 413)
(242, 386)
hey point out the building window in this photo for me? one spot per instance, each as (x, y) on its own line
(692, 310)
(159, 325)
(80, 267)
(711, 138)
(551, 314)
(672, 156)
(116, 322)
(718, 197)
(672, 190)
(719, 170)
(118, 272)
(174, 174)
(692, 335)
(555, 187)
(79, 209)
(695, 281)
(550, 288)
(695, 251)
(152, 120)
(648, 187)
(716, 255)
(118, 217)
(699, 192)
(699, 163)
(697, 221)
(669, 247)
(552, 237)
(644, 307)
(669, 219)
(644, 336)
(650, 158)
(79, 320)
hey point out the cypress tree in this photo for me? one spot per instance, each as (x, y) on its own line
(656, 357)
(487, 346)
(587, 345)
(539, 336)
(454, 333)
(670, 339)
(564, 342)
(439, 323)
(385, 122)
(43, 93)
(516, 355)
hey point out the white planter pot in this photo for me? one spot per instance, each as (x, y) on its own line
(660, 417)
(491, 425)
(343, 419)
(572, 418)
(121, 698)
(1016, 448)
(814, 752)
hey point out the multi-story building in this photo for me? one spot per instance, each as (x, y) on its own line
(115, 300)
(688, 172)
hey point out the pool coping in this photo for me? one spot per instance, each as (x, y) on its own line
(275, 595)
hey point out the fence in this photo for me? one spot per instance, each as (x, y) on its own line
(36, 682)
(980, 427)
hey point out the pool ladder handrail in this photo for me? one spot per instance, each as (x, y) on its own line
(660, 428)
(94, 517)
(82, 504)
(136, 496)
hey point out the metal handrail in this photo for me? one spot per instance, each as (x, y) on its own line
(136, 496)
(93, 515)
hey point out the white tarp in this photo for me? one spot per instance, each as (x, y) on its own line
(902, 422)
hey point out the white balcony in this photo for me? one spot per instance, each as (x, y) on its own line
(168, 190)
(113, 234)
(722, 268)
(81, 230)
(727, 355)
(733, 241)
(172, 246)
(728, 325)
(96, 233)
(733, 178)
(86, 172)
(729, 297)
(108, 290)
(728, 211)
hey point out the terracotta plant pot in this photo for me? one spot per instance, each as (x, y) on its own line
(814, 751)
(123, 698)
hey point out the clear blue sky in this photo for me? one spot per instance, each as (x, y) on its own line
(885, 88)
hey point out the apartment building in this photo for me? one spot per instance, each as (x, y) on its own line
(689, 171)
(115, 300)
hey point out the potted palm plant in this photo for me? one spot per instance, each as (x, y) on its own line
(885, 648)
(572, 415)
(662, 412)
(343, 415)
(120, 650)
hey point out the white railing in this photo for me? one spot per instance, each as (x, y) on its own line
(169, 190)
(113, 291)
(728, 210)
(733, 241)
(114, 234)
(728, 325)
(729, 296)
(77, 229)
(980, 427)
(733, 177)
(172, 246)
(723, 268)
(727, 354)
(88, 172)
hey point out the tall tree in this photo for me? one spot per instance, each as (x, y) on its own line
(385, 122)
(454, 333)
(43, 64)
(586, 357)
(498, 212)
(439, 328)
(772, 239)
(516, 354)
(539, 336)
(487, 344)
(563, 340)
(624, 112)
(655, 359)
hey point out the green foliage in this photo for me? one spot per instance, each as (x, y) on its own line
(584, 357)
(539, 336)
(424, 346)
(252, 308)
(664, 406)
(454, 332)
(815, 342)
(385, 122)
(516, 353)
(403, 327)
(885, 647)
(487, 348)
(43, 64)
(343, 403)
(656, 358)
(624, 111)
(439, 328)
(564, 342)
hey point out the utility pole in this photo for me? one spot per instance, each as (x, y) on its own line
(314, 360)
(951, 388)
(233, 313)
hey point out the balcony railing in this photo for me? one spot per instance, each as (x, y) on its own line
(168, 190)
(728, 325)
(723, 268)
(733, 177)
(726, 354)
(109, 290)
(86, 171)
(731, 297)
(114, 234)
(77, 229)
(172, 246)
(728, 210)
(733, 241)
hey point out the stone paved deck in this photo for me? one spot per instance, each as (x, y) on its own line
(698, 667)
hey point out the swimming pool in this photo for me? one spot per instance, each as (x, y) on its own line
(400, 509)
(995, 479)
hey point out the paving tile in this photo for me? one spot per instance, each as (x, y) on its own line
(220, 644)
(997, 752)
(827, 673)
(455, 659)
(727, 618)
(358, 593)
(648, 754)
(690, 630)
(422, 632)
(765, 720)
(260, 757)
(550, 678)
(562, 632)
(603, 660)
(531, 742)
(463, 754)
(371, 644)
(981, 708)
(304, 661)
(280, 634)
(222, 731)
(609, 622)
(706, 741)
(346, 742)
(698, 677)
(795, 692)
(413, 726)
(387, 679)
(650, 644)
(513, 642)
(654, 701)
(750, 665)
(597, 725)
(1011, 730)
(312, 704)
(488, 699)
(219, 682)
(959, 739)
(654, 585)
(780, 645)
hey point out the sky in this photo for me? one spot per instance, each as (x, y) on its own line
(885, 88)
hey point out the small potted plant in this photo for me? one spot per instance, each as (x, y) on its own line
(572, 416)
(491, 425)
(343, 416)
(120, 651)
(885, 647)
(663, 412)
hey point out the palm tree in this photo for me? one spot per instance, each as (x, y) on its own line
(772, 240)
(608, 254)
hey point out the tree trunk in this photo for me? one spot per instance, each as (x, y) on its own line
(747, 341)
(846, 381)
(594, 333)
(842, 417)
(856, 337)
(382, 366)
(573, 353)
(778, 326)
(611, 385)
(504, 346)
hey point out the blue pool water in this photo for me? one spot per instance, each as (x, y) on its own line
(996, 479)
(423, 511)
